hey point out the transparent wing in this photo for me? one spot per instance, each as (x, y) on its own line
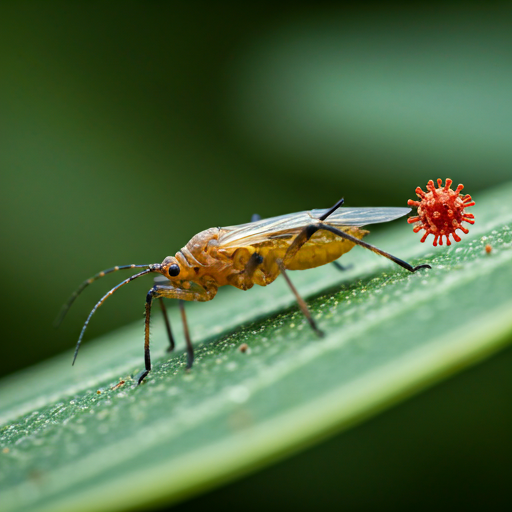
(284, 225)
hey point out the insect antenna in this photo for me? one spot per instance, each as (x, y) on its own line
(151, 268)
(84, 285)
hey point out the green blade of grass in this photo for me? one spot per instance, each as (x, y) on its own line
(389, 334)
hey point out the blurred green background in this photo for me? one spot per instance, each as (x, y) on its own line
(127, 127)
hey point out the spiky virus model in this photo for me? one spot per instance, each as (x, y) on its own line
(441, 211)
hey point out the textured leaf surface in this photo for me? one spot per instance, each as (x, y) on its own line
(69, 441)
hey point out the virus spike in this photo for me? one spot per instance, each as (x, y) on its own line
(441, 211)
(459, 188)
(420, 193)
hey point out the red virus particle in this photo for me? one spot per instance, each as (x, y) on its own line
(441, 211)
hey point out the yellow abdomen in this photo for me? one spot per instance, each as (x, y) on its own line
(323, 247)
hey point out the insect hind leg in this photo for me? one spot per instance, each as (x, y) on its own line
(372, 248)
(310, 230)
(330, 211)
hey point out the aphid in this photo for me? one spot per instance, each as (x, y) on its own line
(488, 248)
(441, 211)
(249, 254)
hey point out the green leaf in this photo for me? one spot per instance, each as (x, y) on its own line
(69, 441)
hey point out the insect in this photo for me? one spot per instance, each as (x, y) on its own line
(441, 211)
(245, 255)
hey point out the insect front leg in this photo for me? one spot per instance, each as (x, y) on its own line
(195, 293)
(188, 341)
(162, 281)
(147, 356)
(172, 344)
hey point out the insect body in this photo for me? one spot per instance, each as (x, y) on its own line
(249, 254)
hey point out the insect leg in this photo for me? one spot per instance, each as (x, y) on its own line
(167, 325)
(346, 236)
(202, 293)
(303, 306)
(332, 210)
(190, 348)
(147, 355)
(255, 260)
(307, 233)
(341, 267)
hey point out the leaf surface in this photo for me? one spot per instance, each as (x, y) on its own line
(71, 440)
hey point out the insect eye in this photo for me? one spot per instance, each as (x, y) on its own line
(174, 270)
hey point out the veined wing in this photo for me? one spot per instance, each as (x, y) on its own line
(276, 227)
